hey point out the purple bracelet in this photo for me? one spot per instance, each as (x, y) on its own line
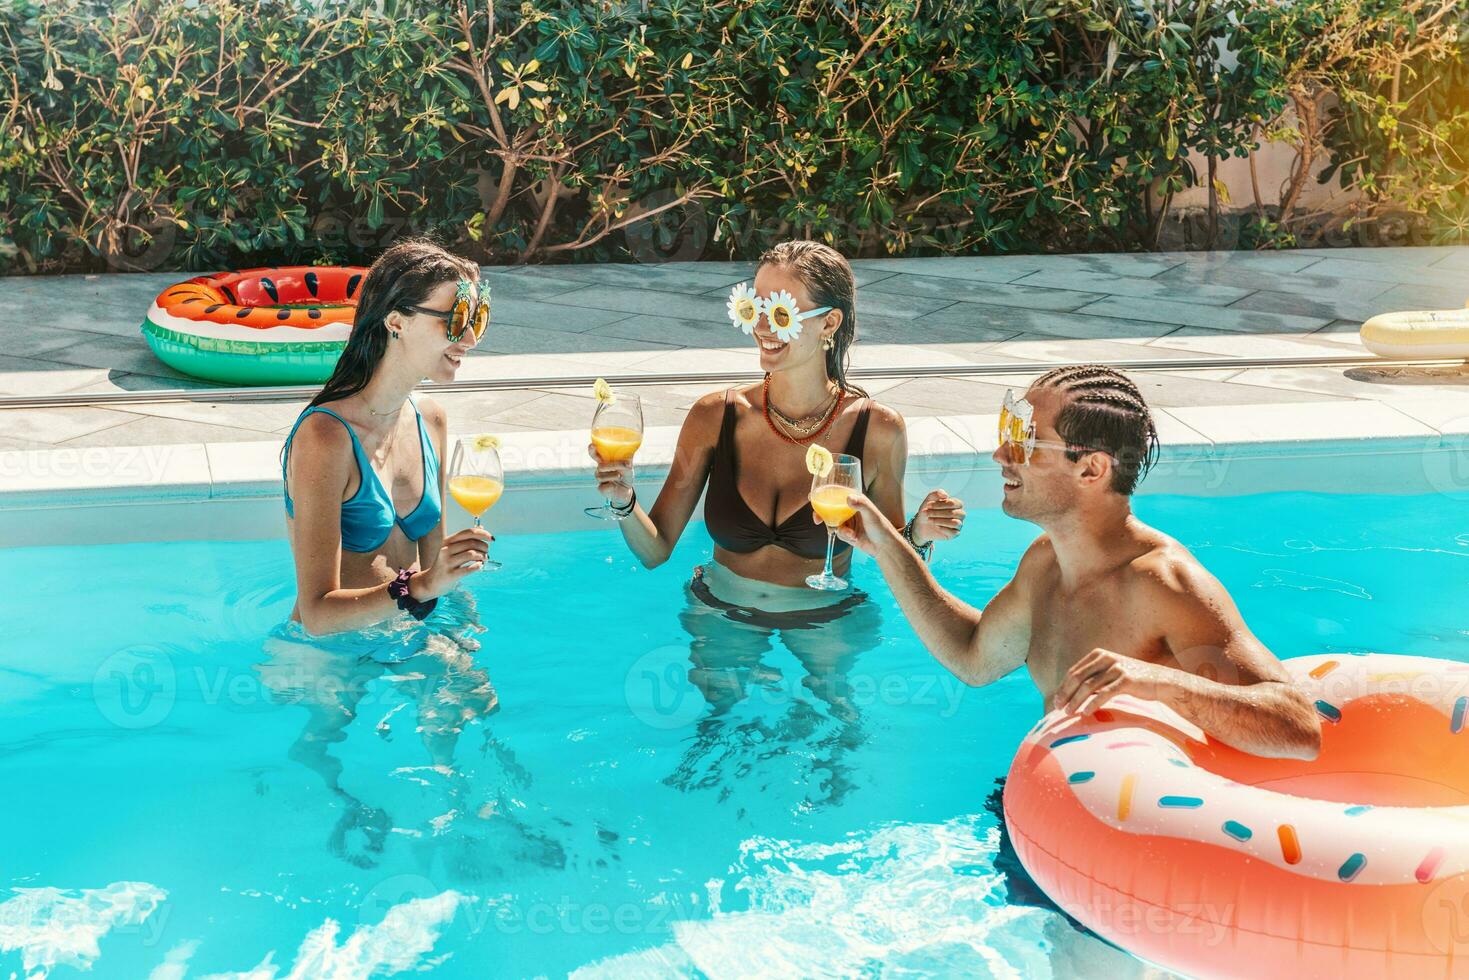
(398, 589)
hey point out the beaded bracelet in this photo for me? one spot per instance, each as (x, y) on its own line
(925, 551)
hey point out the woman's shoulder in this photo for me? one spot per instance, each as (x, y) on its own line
(321, 431)
(706, 416)
(433, 413)
(882, 421)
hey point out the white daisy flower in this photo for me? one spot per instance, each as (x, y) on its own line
(744, 307)
(784, 316)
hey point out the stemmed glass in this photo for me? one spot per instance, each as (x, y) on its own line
(617, 432)
(829, 500)
(477, 479)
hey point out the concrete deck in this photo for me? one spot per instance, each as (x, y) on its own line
(79, 334)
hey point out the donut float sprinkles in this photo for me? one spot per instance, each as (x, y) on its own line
(276, 326)
(1205, 860)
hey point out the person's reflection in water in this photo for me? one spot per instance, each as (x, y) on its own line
(729, 643)
(431, 668)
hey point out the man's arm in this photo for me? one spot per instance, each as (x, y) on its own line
(1229, 684)
(978, 648)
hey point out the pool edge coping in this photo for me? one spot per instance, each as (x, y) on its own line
(97, 475)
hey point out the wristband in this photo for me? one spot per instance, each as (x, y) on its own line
(924, 551)
(631, 505)
(398, 589)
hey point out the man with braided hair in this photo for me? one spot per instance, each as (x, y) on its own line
(1101, 604)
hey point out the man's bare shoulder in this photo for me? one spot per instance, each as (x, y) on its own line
(1169, 575)
(1038, 564)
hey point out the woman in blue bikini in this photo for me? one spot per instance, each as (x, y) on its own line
(364, 492)
(364, 488)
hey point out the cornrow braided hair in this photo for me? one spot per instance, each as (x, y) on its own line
(1103, 410)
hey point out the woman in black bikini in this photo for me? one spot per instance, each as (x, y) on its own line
(748, 445)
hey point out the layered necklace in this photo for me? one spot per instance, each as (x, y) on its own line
(807, 428)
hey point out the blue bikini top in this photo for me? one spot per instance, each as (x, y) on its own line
(368, 517)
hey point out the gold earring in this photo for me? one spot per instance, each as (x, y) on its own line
(829, 343)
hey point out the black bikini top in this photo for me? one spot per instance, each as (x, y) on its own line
(735, 527)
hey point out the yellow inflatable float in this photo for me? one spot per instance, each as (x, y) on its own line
(1421, 333)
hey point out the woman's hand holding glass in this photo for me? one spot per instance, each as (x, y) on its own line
(617, 432)
(940, 518)
(614, 478)
(462, 554)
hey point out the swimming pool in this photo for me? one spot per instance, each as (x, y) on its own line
(192, 795)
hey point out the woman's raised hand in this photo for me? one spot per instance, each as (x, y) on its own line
(614, 479)
(939, 518)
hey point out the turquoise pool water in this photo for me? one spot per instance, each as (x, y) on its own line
(191, 794)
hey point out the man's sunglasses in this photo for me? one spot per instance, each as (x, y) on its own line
(1017, 432)
(467, 313)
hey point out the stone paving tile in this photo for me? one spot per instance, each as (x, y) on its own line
(1016, 321)
(1189, 315)
(948, 395)
(9, 443)
(975, 268)
(1449, 415)
(914, 289)
(671, 330)
(1306, 282)
(1365, 382)
(1416, 255)
(562, 315)
(515, 282)
(503, 338)
(629, 301)
(561, 410)
(1341, 331)
(1202, 342)
(1401, 273)
(259, 416)
(586, 321)
(868, 354)
(1027, 347)
(964, 327)
(1162, 389)
(56, 425)
(1091, 282)
(129, 355)
(1425, 297)
(156, 431)
(463, 407)
(1324, 306)
(652, 276)
(1276, 263)
(21, 376)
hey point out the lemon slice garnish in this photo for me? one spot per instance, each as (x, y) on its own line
(485, 443)
(818, 460)
(602, 391)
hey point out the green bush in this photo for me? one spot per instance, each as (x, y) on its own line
(215, 133)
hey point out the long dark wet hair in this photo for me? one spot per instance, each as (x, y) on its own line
(403, 276)
(827, 276)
